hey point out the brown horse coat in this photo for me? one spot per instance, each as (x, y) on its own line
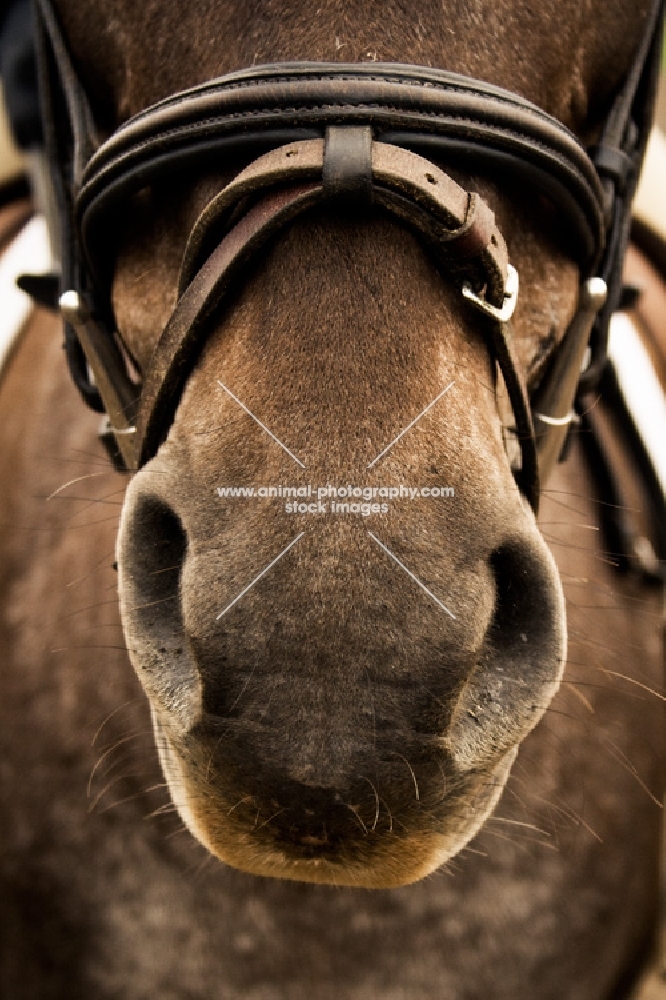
(548, 901)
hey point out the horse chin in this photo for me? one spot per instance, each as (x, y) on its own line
(371, 859)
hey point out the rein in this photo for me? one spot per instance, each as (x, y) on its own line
(357, 135)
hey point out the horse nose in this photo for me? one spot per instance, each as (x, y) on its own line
(492, 667)
(337, 704)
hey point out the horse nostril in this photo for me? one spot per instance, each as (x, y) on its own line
(151, 561)
(526, 606)
(151, 555)
(520, 663)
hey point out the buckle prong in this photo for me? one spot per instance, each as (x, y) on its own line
(504, 313)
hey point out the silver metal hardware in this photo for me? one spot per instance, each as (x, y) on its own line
(505, 312)
(72, 308)
(107, 364)
(596, 293)
(557, 394)
(555, 421)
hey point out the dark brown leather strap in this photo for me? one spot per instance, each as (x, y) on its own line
(180, 344)
(406, 185)
(460, 225)
(461, 117)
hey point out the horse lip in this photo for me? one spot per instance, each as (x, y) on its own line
(366, 859)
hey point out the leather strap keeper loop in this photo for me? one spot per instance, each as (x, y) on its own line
(615, 164)
(347, 172)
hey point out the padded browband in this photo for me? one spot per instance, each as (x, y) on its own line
(429, 111)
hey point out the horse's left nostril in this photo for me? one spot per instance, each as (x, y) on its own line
(520, 664)
(527, 606)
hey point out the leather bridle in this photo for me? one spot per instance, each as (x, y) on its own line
(353, 134)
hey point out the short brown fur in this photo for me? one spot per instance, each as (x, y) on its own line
(334, 677)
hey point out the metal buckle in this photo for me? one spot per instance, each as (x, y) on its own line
(503, 314)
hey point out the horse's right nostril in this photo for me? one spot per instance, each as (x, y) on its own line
(151, 561)
(151, 553)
